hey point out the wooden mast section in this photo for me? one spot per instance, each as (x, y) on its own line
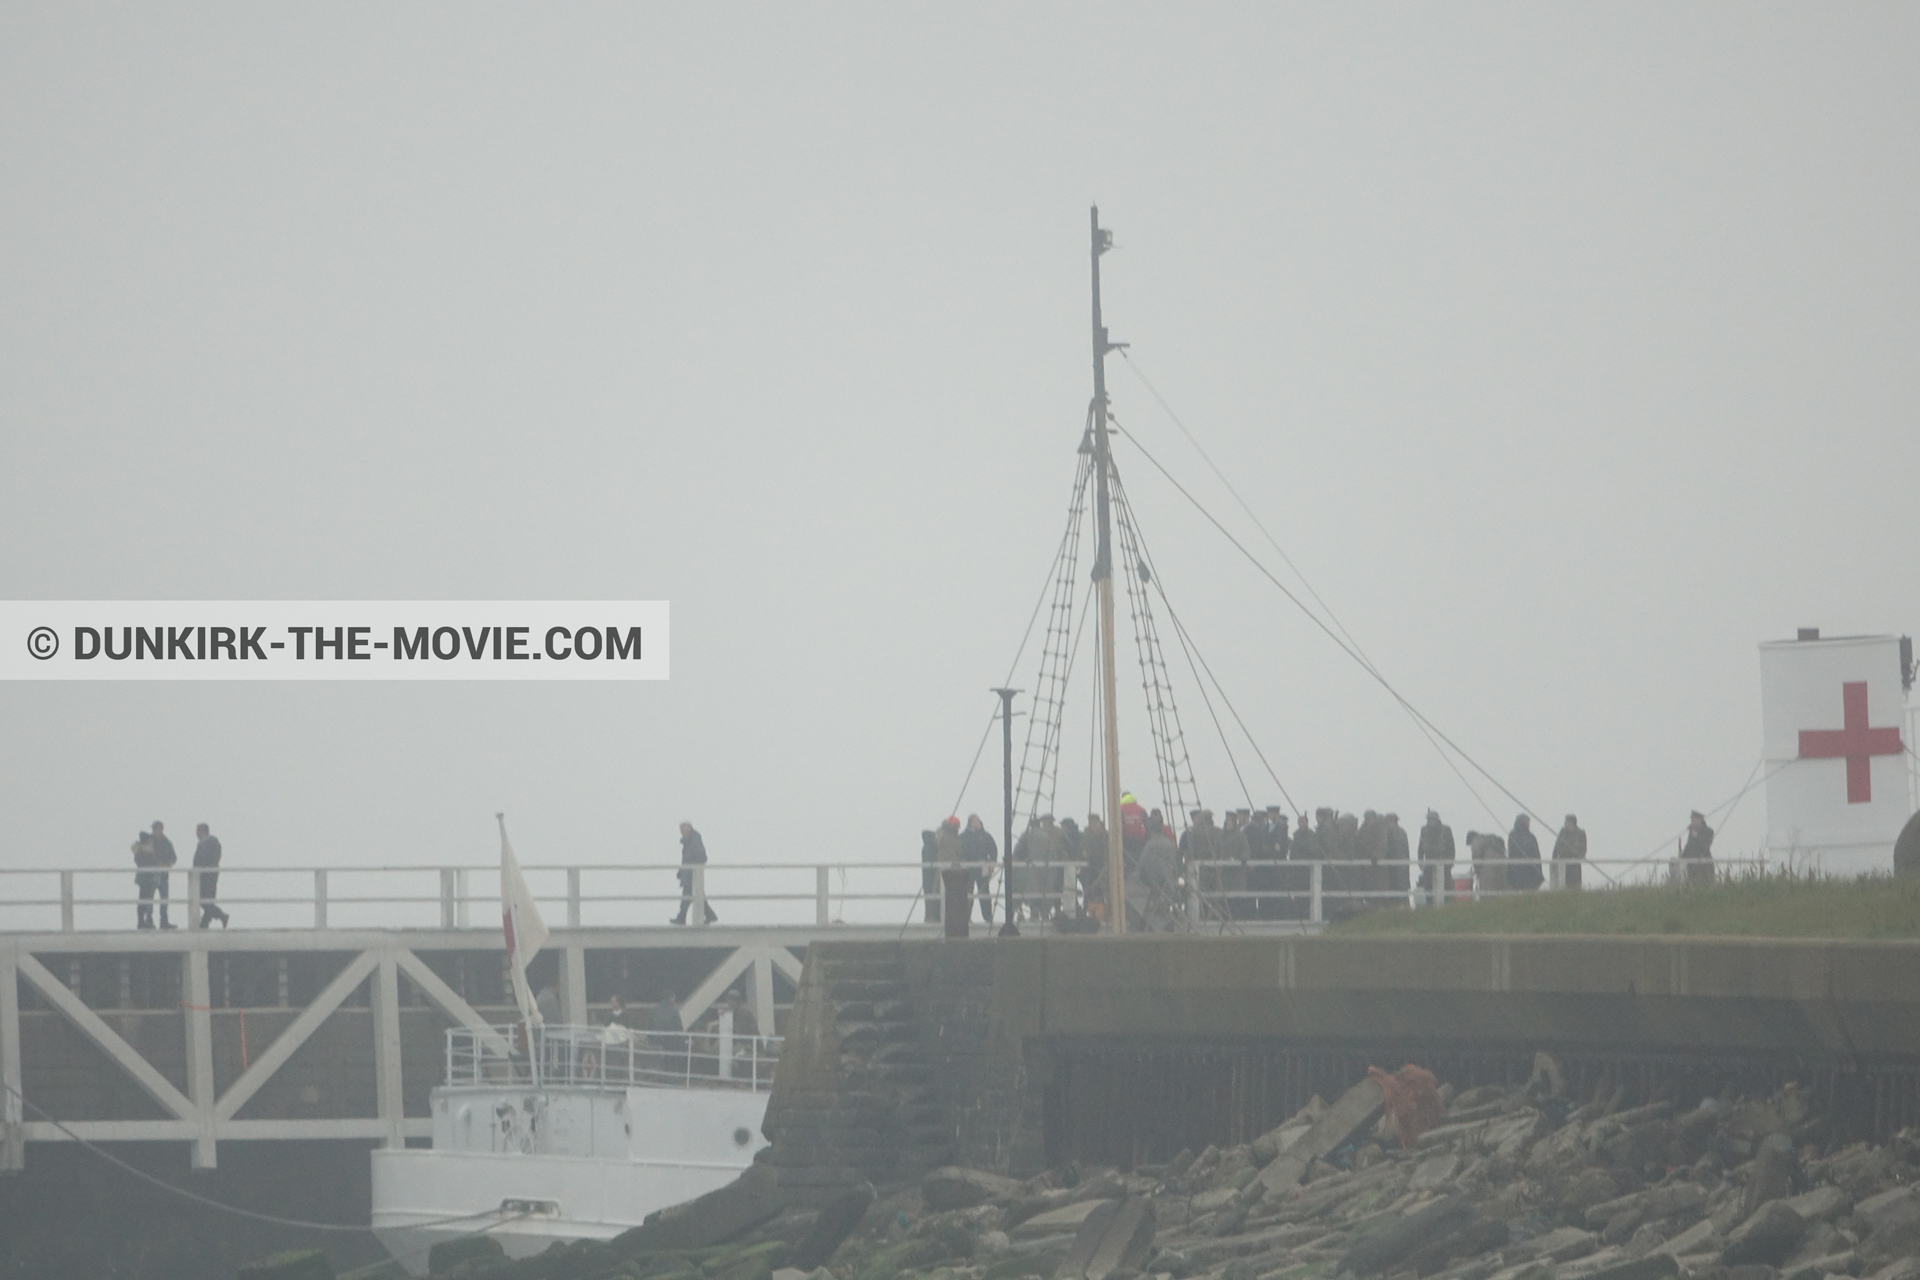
(1103, 581)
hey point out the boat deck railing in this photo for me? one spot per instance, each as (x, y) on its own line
(557, 1056)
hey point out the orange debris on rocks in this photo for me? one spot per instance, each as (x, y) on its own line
(1412, 1100)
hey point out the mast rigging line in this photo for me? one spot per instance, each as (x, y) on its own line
(1134, 367)
(1345, 647)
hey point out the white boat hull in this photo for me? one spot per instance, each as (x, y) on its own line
(530, 1167)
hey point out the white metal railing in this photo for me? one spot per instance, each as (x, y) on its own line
(557, 1056)
(45, 900)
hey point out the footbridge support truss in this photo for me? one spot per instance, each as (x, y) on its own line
(204, 1038)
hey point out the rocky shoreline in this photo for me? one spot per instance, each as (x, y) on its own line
(1491, 1183)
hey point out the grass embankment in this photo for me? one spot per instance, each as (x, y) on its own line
(1780, 905)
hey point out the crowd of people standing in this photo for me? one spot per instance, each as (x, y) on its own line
(1251, 864)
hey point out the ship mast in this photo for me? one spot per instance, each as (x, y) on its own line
(1103, 581)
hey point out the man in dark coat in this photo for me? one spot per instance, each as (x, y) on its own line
(160, 857)
(1697, 854)
(1436, 858)
(206, 860)
(693, 853)
(1523, 856)
(1569, 851)
(1398, 858)
(978, 846)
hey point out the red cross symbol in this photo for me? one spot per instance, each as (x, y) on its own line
(1855, 742)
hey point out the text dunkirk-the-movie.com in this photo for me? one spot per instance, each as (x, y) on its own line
(333, 640)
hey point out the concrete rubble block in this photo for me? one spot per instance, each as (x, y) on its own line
(1357, 1108)
(1695, 1239)
(1278, 1139)
(1822, 1204)
(831, 1226)
(1655, 1266)
(1893, 1239)
(957, 1188)
(1068, 1219)
(1587, 1188)
(1562, 1244)
(1878, 1210)
(1774, 1172)
(1658, 1202)
(1768, 1236)
(1902, 1269)
(1841, 1263)
(1597, 1261)
(1116, 1237)
(1215, 1200)
(1434, 1172)
(1377, 1253)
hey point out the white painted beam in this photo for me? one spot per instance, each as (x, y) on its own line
(294, 1036)
(450, 1002)
(359, 1129)
(13, 1139)
(763, 991)
(387, 1052)
(200, 1085)
(701, 998)
(573, 986)
(90, 1025)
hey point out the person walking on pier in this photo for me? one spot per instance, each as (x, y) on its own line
(1569, 851)
(206, 864)
(693, 853)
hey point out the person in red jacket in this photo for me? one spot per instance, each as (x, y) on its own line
(1133, 824)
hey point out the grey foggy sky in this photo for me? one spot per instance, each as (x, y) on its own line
(1569, 350)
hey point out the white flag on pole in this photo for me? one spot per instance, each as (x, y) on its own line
(520, 918)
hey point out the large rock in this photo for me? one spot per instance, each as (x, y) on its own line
(449, 1254)
(747, 1201)
(296, 1264)
(1768, 1236)
(1357, 1108)
(832, 1225)
(957, 1188)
